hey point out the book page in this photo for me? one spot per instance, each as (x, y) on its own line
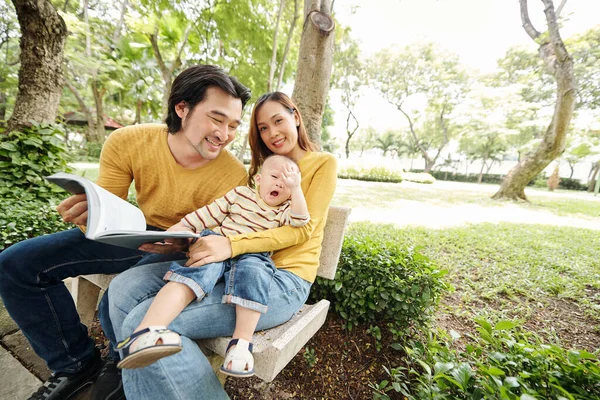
(106, 211)
(117, 214)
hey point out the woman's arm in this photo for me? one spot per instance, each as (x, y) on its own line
(318, 194)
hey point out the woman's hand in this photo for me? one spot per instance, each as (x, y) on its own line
(209, 249)
(74, 209)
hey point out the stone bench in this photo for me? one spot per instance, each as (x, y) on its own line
(273, 348)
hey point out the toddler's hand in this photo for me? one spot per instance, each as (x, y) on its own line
(291, 176)
(179, 227)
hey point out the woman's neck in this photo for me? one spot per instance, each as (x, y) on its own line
(296, 154)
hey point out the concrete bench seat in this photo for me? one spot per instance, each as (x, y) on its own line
(273, 348)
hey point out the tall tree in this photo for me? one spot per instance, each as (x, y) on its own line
(314, 64)
(426, 72)
(348, 77)
(43, 34)
(559, 64)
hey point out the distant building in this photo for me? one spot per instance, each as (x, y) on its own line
(77, 118)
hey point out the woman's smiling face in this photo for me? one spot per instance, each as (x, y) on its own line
(278, 128)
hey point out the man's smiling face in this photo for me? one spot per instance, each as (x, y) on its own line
(212, 124)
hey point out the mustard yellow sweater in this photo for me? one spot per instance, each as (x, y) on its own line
(298, 249)
(165, 191)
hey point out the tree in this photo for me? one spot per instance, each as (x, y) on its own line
(388, 141)
(43, 34)
(422, 72)
(315, 61)
(559, 64)
(348, 77)
(9, 54)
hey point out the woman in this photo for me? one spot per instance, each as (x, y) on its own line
(275, 128)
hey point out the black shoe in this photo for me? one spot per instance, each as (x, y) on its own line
(109, 385)
(61, 386)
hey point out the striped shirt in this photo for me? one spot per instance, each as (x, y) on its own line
(241, 211)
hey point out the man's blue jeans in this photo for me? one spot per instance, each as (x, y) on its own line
(31, 287)
(188, 375)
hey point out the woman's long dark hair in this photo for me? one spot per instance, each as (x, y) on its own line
(259, 149)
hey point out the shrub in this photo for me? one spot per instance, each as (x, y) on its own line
(418, 177)
(26, 157)
(380, 280)
(502, 362)
(538, 181)
(373, 174)
(24, 219)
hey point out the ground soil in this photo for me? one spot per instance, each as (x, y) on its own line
(346, 363)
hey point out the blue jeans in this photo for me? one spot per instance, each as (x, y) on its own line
(247, 278)
(31, 287)
(188, 375)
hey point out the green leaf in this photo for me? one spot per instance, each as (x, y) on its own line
(504, 325)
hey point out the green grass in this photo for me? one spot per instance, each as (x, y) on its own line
(511, 265)
(387, 195)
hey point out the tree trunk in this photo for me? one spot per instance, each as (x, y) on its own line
(274, 52)
(315, 61)
(138, 112)
(98, 94)
(287, 44)
(91, 131)
(592, 181)
(560, 65)
(43, 34)
(572, 170)
(480, 177)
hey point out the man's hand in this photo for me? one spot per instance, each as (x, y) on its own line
(209, 249)
(170, 246)
(291, 176)
(74, 209)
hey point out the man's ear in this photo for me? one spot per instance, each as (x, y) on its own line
(181, 109)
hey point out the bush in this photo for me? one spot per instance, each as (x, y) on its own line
(502, 362)
(373, 174)
(538, 181)
(379, 280)
(26, 157)
(418, 177)
(24, 219)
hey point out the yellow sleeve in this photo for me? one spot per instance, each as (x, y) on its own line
(318, 193)
(116, 173)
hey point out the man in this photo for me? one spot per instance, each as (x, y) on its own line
(176, 168)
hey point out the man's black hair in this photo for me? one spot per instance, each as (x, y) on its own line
(191, 85)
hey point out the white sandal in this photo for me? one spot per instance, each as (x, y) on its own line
(147, 350)
(241, 359)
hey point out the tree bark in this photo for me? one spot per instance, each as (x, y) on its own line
(91, 131)
(560, 64)
(43, 34)
(313, 72)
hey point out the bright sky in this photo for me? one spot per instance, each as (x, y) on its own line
(479, 31)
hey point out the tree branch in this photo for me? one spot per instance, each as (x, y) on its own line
(161, 64)
(287, 44)
(560, 7)
(177, 62)
(117, 31)
(559, 47)
(531, 31)
(274, 52)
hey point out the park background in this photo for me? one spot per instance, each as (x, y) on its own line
(441, 291)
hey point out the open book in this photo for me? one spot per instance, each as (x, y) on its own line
(111, 219)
